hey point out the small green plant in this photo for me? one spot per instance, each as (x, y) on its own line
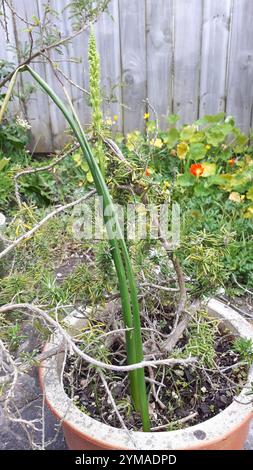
(201, 342)
(90, 337)
(15, 337)
(244, 347)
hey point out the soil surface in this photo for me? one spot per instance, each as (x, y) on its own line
(180, 396)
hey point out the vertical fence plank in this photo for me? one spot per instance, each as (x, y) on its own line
(240, 73)
(188, 28)
(37, 101)
(57, 122)
(133, 59)
(215, 40)
(65, 68)
(107, 32)
(77, 69)
(160, 56)
(37, 106)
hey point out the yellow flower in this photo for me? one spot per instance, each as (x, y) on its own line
(235, 197)
(208, 147)
(108, 122)
(115, 118)
(156, 143)
(182, 150)
(146, 116)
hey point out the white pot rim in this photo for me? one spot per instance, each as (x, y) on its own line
(208, 431)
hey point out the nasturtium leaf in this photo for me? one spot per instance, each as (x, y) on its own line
(226, 128)
(215, 136)
(197, 151)
(172, 137)
(187, 132)
(221, 180)
(241, 141)
(209, 169)
(185, 180)
(214, 118)
(173, 118)
(182, 150)
(198, 137)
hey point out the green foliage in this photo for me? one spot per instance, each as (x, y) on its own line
(244, 347)
(92, 343)
(15, 336)
(104, 259)
(13, 137)
(203, 253)
(218, 200)
(201, 342)
(85, 11)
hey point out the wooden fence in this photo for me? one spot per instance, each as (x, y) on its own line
(190, 57)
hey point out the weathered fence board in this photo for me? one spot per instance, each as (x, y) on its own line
(240, 75)
(133, 59)
(190, 57)
(108, 37)
(215, 48)
(188, 29)
(160, 57)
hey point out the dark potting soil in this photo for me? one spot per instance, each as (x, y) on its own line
(180, 396)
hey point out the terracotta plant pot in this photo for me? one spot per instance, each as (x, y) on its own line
(225, 431)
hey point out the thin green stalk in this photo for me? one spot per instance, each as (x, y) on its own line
(127, 285)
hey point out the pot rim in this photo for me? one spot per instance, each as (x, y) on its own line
(108, 437)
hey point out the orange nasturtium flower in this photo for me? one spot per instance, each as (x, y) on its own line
(196, 169)
(147, 172)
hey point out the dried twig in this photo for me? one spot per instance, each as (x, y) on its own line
(169, 344)
(242, 287)
(159, 287)
(59, 329)
(117, 152)
(52, 214)
(116, 409)
(179, 421)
